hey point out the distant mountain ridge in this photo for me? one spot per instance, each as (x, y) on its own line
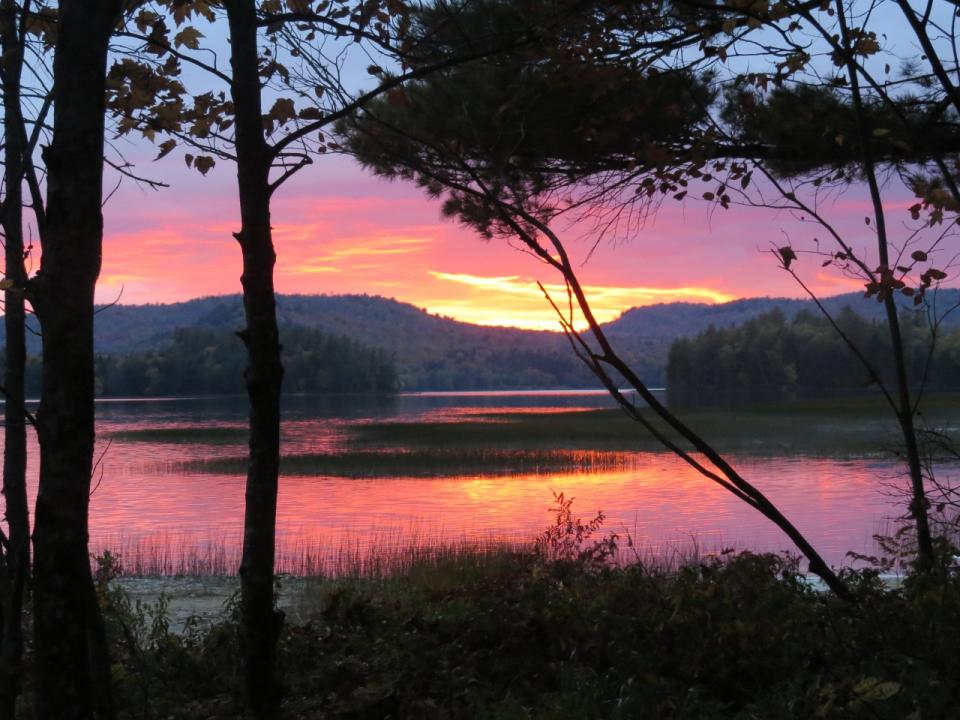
(435, 352)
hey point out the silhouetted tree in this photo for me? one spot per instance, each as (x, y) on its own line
(67, 632)
(296, 125)
(647, 64)
(18, 151)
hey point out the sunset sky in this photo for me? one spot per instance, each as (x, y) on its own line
(340, 230)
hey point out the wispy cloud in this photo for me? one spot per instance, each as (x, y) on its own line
(376, 246)
(337, 230)
(355, 253)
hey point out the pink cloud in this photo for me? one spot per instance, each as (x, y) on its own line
(338, 230)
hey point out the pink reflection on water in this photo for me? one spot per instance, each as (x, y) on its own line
(659, 502)
(144, 497)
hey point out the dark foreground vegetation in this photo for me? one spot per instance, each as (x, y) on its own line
(555, 633)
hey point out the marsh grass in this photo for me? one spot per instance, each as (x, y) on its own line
(495, 630)
(379, 557)
(427, 462)
(852, 426)
(171, 555)
(376, 557)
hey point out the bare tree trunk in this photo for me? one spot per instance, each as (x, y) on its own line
(601, 361)
(15, 431)
(723, 473)
(62, 295)
(919, 504)
(904, 411)
(260, 622)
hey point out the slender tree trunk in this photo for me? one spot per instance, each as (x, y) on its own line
(919, 504)
(260, 622)
(904, 411)
(15, 431)
(62, 295)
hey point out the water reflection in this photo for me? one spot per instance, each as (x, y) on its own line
(141, 497)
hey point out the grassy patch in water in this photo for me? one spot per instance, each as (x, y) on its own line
(426, 462)
(849, 426)
(207, 435)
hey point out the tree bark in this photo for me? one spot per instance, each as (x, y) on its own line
(926, 555)
(260, 622)
(62, 295)
(15, 432)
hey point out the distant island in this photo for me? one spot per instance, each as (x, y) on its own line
(365, 343)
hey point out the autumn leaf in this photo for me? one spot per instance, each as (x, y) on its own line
(43, 24)
(272, 67)
(125, 125)
(189, 37)
(867, 44)
(918, 255)
(787, 256)
(282, 111)
(145, 20)
(165, 147)
(184, 9)
(204, 163)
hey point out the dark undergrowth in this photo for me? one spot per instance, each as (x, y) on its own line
(551, 635)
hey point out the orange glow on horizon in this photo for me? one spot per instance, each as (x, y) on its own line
(515, 301)
(434, 267)
(342, 232)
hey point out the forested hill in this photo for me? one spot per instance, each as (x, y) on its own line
(434, 352)
(771, 356)
(671, 320)
(431, 352)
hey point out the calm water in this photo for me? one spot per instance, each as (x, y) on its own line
(143, 498)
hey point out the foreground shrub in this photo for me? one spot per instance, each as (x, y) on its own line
(519, 637)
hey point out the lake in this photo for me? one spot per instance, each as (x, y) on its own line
(150, 497)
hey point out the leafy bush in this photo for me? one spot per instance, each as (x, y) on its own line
(566, 632)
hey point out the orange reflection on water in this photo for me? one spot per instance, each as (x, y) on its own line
(660, 501)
